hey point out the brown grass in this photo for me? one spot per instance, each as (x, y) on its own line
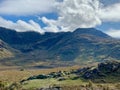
(13, 74)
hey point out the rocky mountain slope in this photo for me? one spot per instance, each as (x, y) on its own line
(81, 46)
(5, 51)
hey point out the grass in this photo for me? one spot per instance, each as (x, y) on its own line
(4, 53)
(71, 84)
(108, 79)
(16, 74)
(13, 74)
(39, 83)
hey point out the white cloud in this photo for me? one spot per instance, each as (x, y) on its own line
(74, 14)
(25, 7)
(79, 13)
(21, 26)
(114, 33)
(51, 25)
(110, 13)
(82, 13)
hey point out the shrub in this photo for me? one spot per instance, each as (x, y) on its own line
(2, 85)
(22, 69)
(15, 86)
(118, 86)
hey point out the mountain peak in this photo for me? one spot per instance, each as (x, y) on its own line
(91, 31)
(82, 44)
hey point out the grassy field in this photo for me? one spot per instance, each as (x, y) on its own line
(68, 84)
(78, 84)
(33, 84)
(15, 74)
(12, 76)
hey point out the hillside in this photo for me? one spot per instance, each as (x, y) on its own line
(105, 76)
(108, 71)
(81, 46)
(5, 51)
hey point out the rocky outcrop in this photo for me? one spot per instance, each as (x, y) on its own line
(58, 75)
(103, 70)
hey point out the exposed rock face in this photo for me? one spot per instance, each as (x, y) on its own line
(103, 69)
(109, 67)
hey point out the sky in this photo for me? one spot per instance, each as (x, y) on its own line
(61, 15)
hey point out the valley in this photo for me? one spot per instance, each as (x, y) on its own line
(103, 76)
(86, 59)
(59, 44)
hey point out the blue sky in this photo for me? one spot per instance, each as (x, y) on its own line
(61, 15)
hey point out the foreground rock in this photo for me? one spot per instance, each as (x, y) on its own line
(111, 68)
(105, 69)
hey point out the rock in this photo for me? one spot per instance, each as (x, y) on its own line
(61, 79)
(41, 76)
(102, 70)
(80, 71)
(57, 74)
(109, 67)
(52, 88)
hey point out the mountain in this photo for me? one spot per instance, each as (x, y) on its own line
(81, 46)
(5, 51)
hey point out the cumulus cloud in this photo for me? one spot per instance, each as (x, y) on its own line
(74, 14)
(114, 33)
(21, 26)
(51, 25)
(25, 7)
(110, 13)
(82, 13)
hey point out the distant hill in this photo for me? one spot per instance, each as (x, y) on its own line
(81, 46)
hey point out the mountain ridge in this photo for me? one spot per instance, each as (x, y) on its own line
(82, 45)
